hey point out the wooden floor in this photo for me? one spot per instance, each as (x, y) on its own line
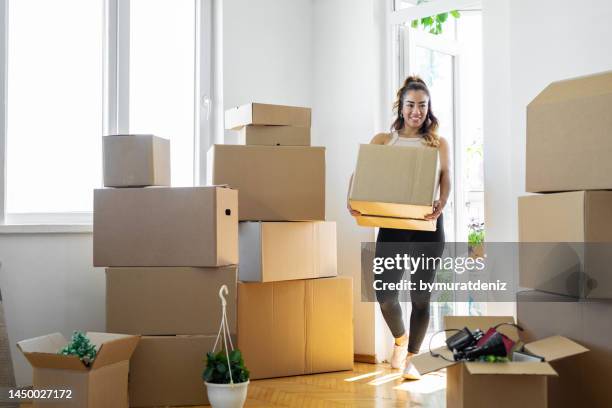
(368, 385)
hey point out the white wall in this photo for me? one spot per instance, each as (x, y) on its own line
(346, 80)
(268, 53)
(48, 285)
(527, 45)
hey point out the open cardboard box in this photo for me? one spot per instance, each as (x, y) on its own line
(103, 384)
(512, 384)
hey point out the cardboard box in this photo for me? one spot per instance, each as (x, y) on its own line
(569, 136)
(277, 251)
(159, 226)
(583, 380)
(104, 384)
(296, 327)
(274, 135)
(512, 384)
(565, 243)
(396, 223)
(276, 183)
(395, 181)
(136, 161)
(266, 114)
(168, 300)
(167, 371)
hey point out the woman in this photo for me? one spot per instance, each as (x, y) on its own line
(415, 125)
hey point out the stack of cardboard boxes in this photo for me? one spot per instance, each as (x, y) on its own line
(294, 313)
(566, 233)
(166, 252)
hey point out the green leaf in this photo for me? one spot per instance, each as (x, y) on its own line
(442, 17)
(455, 13)
(414, 24)
(427, 21)
(235, 356)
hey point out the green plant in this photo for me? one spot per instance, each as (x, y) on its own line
(434, 24)
(81, 347)
(217, 370)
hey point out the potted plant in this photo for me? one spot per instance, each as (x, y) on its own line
(476, 237)
(225, 376)
(226, 379)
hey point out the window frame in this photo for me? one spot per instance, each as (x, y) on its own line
(116, 52)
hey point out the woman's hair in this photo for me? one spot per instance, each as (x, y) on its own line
(429, 129)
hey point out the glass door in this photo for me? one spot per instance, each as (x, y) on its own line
(434, 59)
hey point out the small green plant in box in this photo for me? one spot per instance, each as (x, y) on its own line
(80, 346)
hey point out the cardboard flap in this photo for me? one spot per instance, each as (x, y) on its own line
(555, 348)
(426, 363)
(510, 368)
(112, 348)
(42, 351)
(483, 323)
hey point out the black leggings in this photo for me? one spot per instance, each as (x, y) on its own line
(389, 243)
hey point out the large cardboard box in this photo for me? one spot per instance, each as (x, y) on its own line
(159, 226)
(136, 161)
(266, 114)
(167, 371)
(569, 136)
(505, 385)
(168, 300)
(277, 251)
(274, 135)
(566, 243)
(296, 327)
(276, 183)
(103, 384)
(395, 182)
(583, 380)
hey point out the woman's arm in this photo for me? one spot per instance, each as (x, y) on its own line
(445, 180)
(381, 139)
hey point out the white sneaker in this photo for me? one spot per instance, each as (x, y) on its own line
(410, 371)
(399, 355)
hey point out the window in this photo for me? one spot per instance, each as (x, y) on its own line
(54, 105)
(102, 66)
(162, 81)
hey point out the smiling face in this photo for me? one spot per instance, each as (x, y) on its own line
(414, 108)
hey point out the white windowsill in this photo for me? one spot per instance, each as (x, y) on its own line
(50, 223)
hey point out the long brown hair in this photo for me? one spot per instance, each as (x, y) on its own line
(429, 128)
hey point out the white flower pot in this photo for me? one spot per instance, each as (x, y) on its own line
(227, 395)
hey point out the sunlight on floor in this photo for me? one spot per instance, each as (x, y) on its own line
(385, 379)
(428, 384)
(362, 376)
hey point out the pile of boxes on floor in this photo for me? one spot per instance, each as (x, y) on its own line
(565, 255)
(259, 228)
(565, 233)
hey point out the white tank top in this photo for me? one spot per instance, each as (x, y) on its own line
(397, 140)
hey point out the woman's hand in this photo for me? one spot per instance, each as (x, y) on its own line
(438, 206)
(354, 213)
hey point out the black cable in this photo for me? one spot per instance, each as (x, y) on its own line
(509, 324)
(438, 354)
